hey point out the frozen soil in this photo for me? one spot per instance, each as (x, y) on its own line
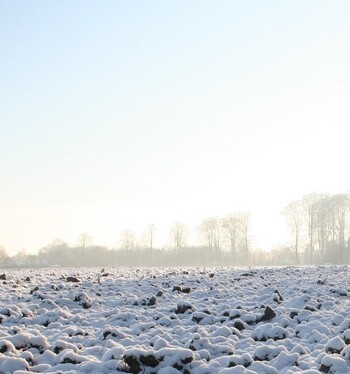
(172, 320)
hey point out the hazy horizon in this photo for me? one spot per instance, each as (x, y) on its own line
(117, 115)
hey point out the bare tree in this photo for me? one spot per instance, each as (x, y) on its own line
(309, 202)
(324, 223)
(294, 215)
(148, 236)
(218, 233)
(232, 230)
(127, 239)
(243, 227)
(331, 220)
(340, 207)
(207, 233)
(179, 234)
(211, 231)
(84, 240)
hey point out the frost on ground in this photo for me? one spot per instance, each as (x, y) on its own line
(168, 321)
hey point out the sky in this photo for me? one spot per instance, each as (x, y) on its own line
(119, 114)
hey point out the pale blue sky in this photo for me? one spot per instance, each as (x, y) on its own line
(118, 114)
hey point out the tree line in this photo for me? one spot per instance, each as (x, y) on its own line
(319, 226)
(221, 241)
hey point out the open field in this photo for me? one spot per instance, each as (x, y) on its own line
(172, 320)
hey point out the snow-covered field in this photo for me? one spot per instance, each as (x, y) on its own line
(171, 320)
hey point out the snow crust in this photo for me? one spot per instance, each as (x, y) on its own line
(175, 320)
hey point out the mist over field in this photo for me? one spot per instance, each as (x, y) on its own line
(319, 226)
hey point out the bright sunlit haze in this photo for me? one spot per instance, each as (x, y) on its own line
(116, 115)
